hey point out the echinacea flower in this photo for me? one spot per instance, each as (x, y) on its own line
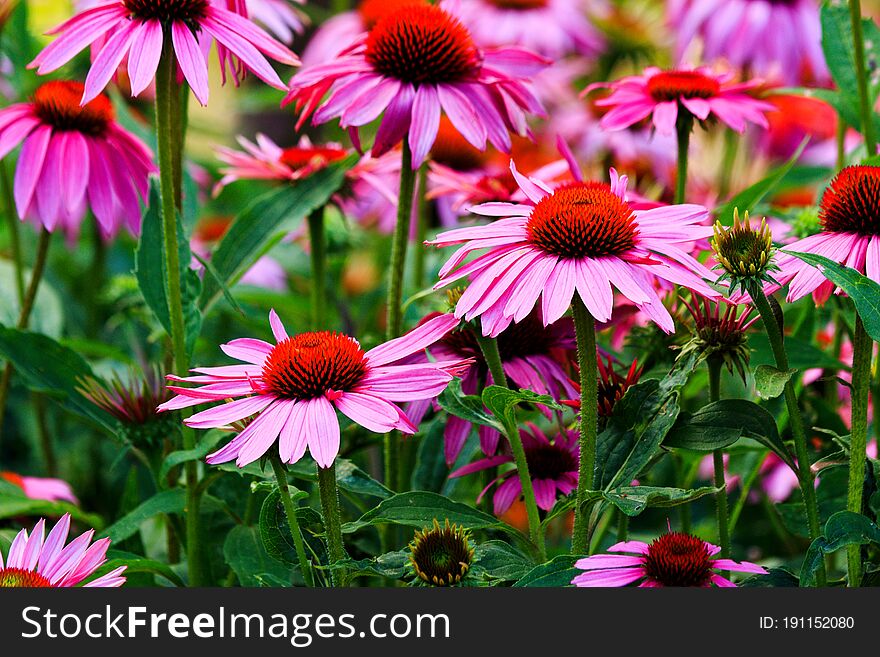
(719, 332)
(581, 237)
(40, 561)
(292, 390)
(41, 488)
(553, 28)
(441, 555)
(277, 16)
(665, 95)
(553, 469)
(413, 64)
(780, 39)
(850, 217)
(673, 559)
(612, 385)
(139, 30)
(745, 254)
(59, 136)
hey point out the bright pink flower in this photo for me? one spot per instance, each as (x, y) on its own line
(673, 559)
(293, 389)
(663, 94)
(39, 488)
(137, 29)
(553, 469)
(44, 561)
(553, 28)
(850, 217)
(780, 39)
(415, 63)
(277, 16)
(59, 137)
(581, 237)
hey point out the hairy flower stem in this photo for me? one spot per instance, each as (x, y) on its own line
(721, 510)
(805, 473)
(865, 104)
(12, 225)
(332, 521)
(861, 382)
(683, 127)
(422, 217)
(318, 245)
(489, 347)
(585, 332)
(169, 130)
(292, 520)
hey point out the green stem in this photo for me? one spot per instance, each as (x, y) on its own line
(332, 520)
(721, 510)
(731, 142)
(399, 244)
(424, 208)
(585, 332)
(169, 131)
(795, 420)
(292, 520)
(622, 526)
(318, 257)
(866, 110)
(683, 127)
(12, 224)
(861, 382)
(489, 347)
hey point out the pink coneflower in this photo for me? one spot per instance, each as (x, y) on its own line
(850, 217)
(553, 28)
(278, 16)
(59, 136)
(781, 39)
(673, 559)
(581, 237)
(137, 29)
(663, 95)
(294, 388)
(40, 561)
(40, 488)
(553, 469)
(416, 62)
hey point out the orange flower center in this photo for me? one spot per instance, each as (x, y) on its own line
(422, 44)
(677, 559)
(582, 220)
(17, 578)
(57, 103)
(308, 365)
(372, 11)
(851, 204)
(190, 12)
(317, 158)
(672, 85)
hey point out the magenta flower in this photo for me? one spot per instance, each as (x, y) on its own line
(581, 237)
(138, 29)
(41, 488)
(553, 469)
(663, 94)
(673, 559)
(277, 16)
(850, 217)
(781, 39)
(292, 390)
(59, 136)
(44, 561)
(416, 62)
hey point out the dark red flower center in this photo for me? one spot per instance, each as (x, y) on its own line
(851, 204)
(582, 220)
(17, 578)
(319, 157)
(526, 338)
(677, 559)
(57, 104)
(672, 85)
(308, 365)
(549, 461)
(190, 12)
(522, 5)
(422, 44)
(372, 11)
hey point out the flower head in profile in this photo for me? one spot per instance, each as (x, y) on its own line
(673, 559)
(140, 29)
(745, 253)
(665, 95)
(442, 555)
(41, 488)
(612, 385)
(850, 218)
(60, 136)
(553, 469)
(581, 237)
(291, 390)
(719, 331)
(39, 561)
(416, 63)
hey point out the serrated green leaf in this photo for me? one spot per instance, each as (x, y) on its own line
(842, 529)
(770, 381)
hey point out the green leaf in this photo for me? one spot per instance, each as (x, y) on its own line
(864, 292)
(770, 381)
(138, 564)
(348, 477)
(467, 407)
(430, 471)
(184, 455)
(19, 506)
(169, 501)
(265, 221)
(502, 561)
(419, 509)
(244, 552)
(49, 368)
(393, 565)
(557, 572)
(775, 578)
(801, 355)
(632, 500)
(47, 316)
(830, 495)
(274, 528)
(842, 529)
(502, 402)
(152, 274)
